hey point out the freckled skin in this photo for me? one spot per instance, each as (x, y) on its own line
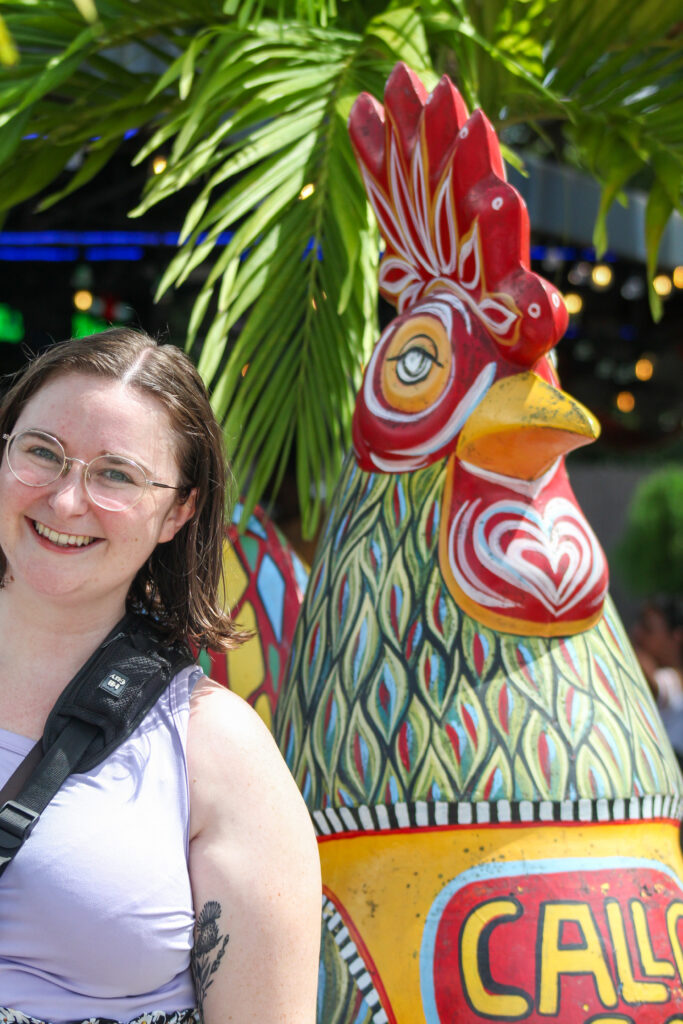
(90, 416)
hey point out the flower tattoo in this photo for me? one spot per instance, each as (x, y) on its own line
(208, 950)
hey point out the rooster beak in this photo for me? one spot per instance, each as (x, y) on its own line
(522, 425)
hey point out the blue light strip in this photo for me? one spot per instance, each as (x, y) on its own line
(39, 253)
(97, 246)
(570, 253)
(87, 246)
(146, 238)
(100, 253)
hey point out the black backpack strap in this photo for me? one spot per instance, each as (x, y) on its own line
(46, 774)
(22, 773)
(117, 686)
(99, 709)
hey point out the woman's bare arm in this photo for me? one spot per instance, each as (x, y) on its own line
(254, 870)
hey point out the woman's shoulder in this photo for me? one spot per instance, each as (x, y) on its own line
(235, 766)
(223, 725)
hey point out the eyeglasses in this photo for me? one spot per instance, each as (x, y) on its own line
(112, 482)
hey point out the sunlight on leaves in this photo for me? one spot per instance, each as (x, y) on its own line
(87, 9)
(8, 51)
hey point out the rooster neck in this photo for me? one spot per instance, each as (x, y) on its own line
(520, 558)
(397, 694)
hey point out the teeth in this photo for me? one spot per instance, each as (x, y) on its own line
(63, 539)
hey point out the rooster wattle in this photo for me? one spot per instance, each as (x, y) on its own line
(496, 800)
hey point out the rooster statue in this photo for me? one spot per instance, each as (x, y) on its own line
(496, 800)
(265, 581)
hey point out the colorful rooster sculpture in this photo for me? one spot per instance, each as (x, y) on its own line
(265, 582)
(496, 800)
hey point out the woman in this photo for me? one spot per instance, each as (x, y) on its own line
(196, 809)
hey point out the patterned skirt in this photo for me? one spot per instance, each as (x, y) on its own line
(153, 1017)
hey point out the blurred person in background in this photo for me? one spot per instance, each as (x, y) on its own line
(658, 640)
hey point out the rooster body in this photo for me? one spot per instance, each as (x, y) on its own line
(496, 800)
(264, 582)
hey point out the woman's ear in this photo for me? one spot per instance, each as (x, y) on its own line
(179, 513)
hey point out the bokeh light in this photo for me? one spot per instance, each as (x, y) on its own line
(83, 299)
(602, 275)
(625, 401)
(644, 368)
(573, 302)
(663, 285)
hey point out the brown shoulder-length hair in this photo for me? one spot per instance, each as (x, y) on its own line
(181, 585)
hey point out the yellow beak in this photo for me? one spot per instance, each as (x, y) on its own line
(522, 425)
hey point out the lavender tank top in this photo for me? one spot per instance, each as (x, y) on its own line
(96, 915)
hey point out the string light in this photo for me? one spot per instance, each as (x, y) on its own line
(602, 275)
(307, 191)
(159, 164)
(644, 368)
(625, 401)
(573, 302)
(245, 369)
(604, 368)
(583, 350)
(83, 300)
(580, 273)
(662, 285)
(633, 288)
(678, 277)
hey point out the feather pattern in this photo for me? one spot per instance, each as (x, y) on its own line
(431, 701)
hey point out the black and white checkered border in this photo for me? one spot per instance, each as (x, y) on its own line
(355, 963)
(431, 814)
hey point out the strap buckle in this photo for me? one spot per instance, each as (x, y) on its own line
(16, 824)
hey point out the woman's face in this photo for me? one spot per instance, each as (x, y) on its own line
(90, 416)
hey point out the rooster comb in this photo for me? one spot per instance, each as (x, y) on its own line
(436, 180)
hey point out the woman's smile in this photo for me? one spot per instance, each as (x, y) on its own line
(63, 541)
(88, 417)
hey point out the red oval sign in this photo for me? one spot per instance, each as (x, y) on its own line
(569, 940)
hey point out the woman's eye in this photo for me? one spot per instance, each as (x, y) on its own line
(114, 476)
(414, 365)
(45, 454)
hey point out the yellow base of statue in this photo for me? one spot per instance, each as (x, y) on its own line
(545, 922)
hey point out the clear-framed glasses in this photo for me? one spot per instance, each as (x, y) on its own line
(113, 482)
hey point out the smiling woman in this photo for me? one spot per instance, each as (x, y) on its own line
(112, 490)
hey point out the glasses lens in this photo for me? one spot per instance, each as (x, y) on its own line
(35, 458)
(115, 483)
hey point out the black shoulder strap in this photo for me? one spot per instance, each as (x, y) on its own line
(101, 706)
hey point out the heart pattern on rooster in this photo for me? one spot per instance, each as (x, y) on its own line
(552, 555)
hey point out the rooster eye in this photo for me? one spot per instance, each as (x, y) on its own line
(414, 364)
(417, 364)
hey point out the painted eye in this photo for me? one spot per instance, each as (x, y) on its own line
(414, 364)
(417, 364)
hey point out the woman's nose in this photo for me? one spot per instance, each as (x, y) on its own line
(68, 492)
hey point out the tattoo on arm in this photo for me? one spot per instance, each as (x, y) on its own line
(208, 950)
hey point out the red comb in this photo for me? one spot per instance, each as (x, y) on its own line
(436, 180)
